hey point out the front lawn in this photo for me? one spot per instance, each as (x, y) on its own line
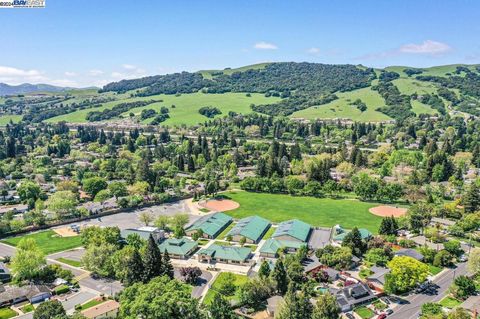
(48, 241)
(239, 280)
(91, 303)
(27, 308)
(434, 270)
(6, 313)
(364, 312)
(449, 302)
(326, 212)
(379, 305)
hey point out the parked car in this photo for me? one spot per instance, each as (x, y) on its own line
(385, 300)
(382, 316)
(350, 315)
(463, 258)
(389, 311)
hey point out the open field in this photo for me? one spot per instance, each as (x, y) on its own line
(341, 107)
(5, 119)
(186, 107)
(218, 283)
(325, 212)
(48, 241)
(420, 108)
(207, 74)
(410, 86)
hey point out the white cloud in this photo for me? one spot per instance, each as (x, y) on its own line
(13, 75)
(70, 73)
(265, 46)
(314, 51)
(426, 47)
(129, 66)
(64, 82)
(95, 72)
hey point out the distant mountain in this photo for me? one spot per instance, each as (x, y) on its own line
(6, 89)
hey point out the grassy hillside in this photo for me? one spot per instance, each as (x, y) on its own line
(342, 107)
(207, 74)
(186, 106)
(5, 119)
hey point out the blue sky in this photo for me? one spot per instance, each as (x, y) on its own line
(84, 42)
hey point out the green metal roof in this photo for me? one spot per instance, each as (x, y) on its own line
(295, 228)
(251, 227)
(365, 233)
(211, 224)
(226, 252)
(176, 246)
(272, 246)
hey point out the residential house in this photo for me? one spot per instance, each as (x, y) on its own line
(442, 222)
(105, 310)
(225, 254)
(211, 225)
(353, 295)
(96, 208)
(292, 230)
(251, 228)
(33, 293)
(410, 253)
(472, 304)
(181, 248)
(377, 278)
(16, 209)
(312, 266)
(144, 233)
(272, 247)
(273, 305)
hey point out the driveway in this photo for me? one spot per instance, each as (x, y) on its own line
(6, 250)
(412, 309)
(78, 298)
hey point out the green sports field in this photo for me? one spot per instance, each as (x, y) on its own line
(48, 241)
(341, 107)
(326, 212)
(186, 106)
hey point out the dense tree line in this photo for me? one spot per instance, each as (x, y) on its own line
(95, 116)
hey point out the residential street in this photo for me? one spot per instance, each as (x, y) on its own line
(412, 309)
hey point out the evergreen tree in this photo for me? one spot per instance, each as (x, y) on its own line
(388, 226)
(264, 270)
(326, 307)
(296, 305)
(354, 241)
(279, 274)
(134, 269)
(220, 309)
(167, 265)
(152, 261)
(471, 200)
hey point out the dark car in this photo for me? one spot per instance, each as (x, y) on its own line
(349, 315)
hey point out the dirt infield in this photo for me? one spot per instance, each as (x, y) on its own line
(385, 211)
(220, 205)
(65, 232)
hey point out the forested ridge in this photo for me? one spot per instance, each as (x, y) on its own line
(300, 84)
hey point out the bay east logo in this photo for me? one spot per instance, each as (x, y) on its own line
(22, 3)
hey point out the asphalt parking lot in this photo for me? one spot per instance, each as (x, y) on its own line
(131, 219)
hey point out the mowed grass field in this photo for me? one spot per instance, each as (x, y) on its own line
(5, 119)
(186, 107)
(325, 212)
(341, 107)
(48, 241)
